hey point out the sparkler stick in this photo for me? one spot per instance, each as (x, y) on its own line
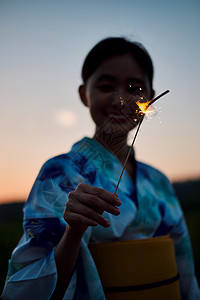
(156, 98)
(129, 152)
(139, 124)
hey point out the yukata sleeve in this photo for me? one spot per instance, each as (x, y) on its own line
(173, 223)
(183, 250)
(184, 258)
(32, 272)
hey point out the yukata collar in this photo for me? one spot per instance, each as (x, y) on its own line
(105, 151)
(104, 159)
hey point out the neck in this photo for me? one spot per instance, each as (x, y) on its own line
(117, 144)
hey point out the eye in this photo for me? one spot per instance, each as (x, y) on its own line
(133, 89)
(106, 88)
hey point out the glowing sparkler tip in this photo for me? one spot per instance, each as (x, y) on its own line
(143, 106)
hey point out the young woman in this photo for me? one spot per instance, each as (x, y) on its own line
(72, 203)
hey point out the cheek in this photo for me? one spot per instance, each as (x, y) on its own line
(97, 102)
(97, 112)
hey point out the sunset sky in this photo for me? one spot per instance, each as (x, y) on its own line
(43, 45)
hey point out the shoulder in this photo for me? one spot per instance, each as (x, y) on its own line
(54, 166)
(155, 176)
(160, 186)
(62, 163)
(150, 171)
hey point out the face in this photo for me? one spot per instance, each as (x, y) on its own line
(112, 90)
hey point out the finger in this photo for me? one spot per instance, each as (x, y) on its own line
(74, 219)
(90, 214)
(111, 198)
(98, 210)
(92, 201)
(97, 203)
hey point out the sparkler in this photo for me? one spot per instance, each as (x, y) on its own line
(143, 109)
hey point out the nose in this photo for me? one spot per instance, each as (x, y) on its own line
(120, 97)
(128, 103)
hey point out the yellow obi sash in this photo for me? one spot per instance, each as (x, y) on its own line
(138, 269)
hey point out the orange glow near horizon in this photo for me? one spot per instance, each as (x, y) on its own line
(15, 189)
(18, 176)
(20, 193)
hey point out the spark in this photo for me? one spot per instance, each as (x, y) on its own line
(143, 112)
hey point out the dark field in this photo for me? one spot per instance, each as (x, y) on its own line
(11, 224)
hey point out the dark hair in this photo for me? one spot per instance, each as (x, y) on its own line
(115, 46)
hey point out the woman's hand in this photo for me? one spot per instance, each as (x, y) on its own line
(84, 208)
(86, 205)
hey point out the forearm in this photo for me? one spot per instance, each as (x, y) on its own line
(84, 208)
(66, 254)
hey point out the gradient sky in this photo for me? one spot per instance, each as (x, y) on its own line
(43, 45)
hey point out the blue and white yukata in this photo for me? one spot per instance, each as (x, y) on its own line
(149, 209)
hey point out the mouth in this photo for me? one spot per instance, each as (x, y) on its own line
(126, 120)
(117, 117)
(123, 115)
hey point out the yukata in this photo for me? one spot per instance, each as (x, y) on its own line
(149, 209)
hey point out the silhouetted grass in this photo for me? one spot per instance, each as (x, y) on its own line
(11, 224)
(11, 230)
(10, 233)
